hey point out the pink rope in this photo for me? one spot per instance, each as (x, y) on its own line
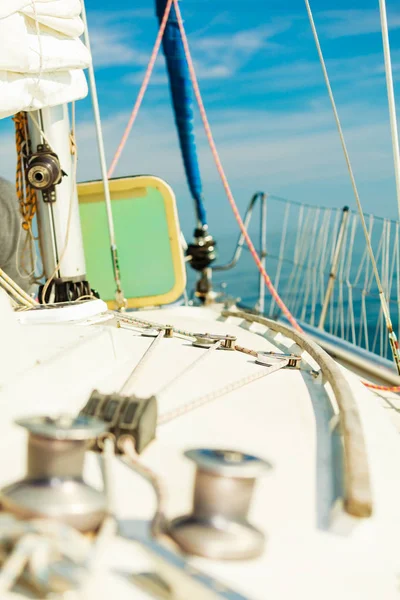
(215, 154)
(142, 90)
(224, 180)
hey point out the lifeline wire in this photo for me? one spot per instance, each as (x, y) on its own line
(385, 308)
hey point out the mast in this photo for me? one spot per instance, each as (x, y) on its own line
(181, 96)
(58, 212)
(44, 75)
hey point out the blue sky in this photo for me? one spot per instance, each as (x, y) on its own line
(263, 89)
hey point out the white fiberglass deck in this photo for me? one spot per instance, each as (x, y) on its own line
(314, 550)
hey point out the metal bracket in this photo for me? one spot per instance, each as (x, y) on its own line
(124, 416)
(269, 358)
(206, 340)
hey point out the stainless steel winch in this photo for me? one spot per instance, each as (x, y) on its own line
(53, 486)
(218, 527)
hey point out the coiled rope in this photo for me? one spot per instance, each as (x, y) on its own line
(25, 192)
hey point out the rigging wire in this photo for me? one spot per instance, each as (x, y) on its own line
(74, 167)
(180, 411)
(274, 293)
(119, 296)
(391, 98)
(385, 308)
(222, 175)
(142, 90)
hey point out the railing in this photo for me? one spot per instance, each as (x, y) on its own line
(318, 262)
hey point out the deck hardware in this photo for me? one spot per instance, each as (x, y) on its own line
(53, 486)
(168, 331)
(150, 332)
(218, 526)
(202, 250)
(43, 171)
(228, 342)
(206, 340)
(154, 331)
(123, 416)
(268, 358)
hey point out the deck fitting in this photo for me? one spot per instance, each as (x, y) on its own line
(218, 527)
(268, 358)
(168, 331)
(228, 342)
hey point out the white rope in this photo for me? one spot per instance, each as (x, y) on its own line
(34, 545)
(15, 290)
(231, 387)
(13, 567)
(133, 376)
(199, 361)
(40, 131)
(20, 255)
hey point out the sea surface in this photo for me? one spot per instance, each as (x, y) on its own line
(359, 318)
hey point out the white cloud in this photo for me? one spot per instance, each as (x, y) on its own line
(295, 154)
(280, 152)
(217, 56)
(228, 53)
(341, 23)
(112, 46)
(160, 76)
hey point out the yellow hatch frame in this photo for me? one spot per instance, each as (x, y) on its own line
(135, 187)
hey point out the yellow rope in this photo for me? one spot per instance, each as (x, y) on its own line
(25, 192)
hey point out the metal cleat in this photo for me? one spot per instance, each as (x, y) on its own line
(270, 358)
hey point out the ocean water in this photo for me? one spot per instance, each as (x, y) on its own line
(353, 314)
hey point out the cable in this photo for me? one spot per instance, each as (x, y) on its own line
(385, 307)
(391, 98)
(120, 299)
(71, 202)
(142, 90)
(224, 180)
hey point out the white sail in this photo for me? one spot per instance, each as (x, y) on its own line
(41, 56)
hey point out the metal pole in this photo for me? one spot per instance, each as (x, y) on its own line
(391, 99)
(334, 267)
(260, 306)
(58, 222)
(119, 295)
(240, 242)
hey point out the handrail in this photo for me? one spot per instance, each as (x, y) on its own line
(239, 245)
(357, 482)
(336, 280)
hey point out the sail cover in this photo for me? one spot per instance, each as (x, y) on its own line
(41, 56)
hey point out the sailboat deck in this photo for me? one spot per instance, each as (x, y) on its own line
(284, 417)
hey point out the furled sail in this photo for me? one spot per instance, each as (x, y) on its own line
(41, 56)
(181, 93)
